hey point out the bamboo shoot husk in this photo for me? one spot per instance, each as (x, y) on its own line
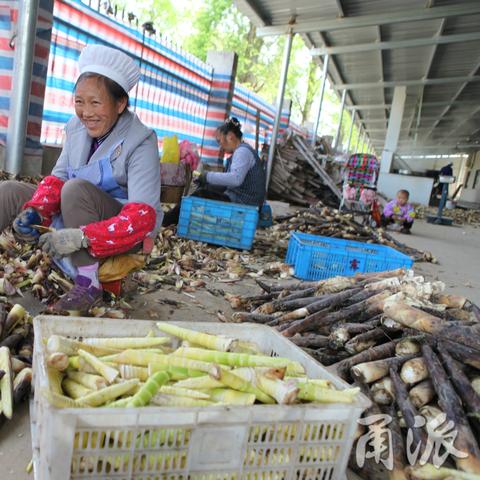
(365, 340)
(376, 353)
(371, 371)
(310, 341)
(422, 393)
(451, 301)
(419, 320)
(430, 472)
(476, 385)
(407, 346)
(409, 412)
(398, 448)
(430, 412)
(462, 353)
(372, 306)
(382, 391)
(328, 301)
(470, 398)
(450, 403)
(342, 332)
(414, 371)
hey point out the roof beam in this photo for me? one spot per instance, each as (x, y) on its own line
(411, 15)
(409, 43)
(387, 106)
(454, 98)
(380, 59)
(462, 123)
(379, 106)
(427, 73)
(251, 11)
(408, 83)
(457, 146)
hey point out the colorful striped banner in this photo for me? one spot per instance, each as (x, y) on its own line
(177, 94)
(8, 27)
(174, 88)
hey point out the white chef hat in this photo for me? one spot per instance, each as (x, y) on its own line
(110, 63)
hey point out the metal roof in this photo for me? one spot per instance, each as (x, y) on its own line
(431, 46)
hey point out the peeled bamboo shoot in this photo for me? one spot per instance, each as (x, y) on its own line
(107, 372)
(198, 338)
(6, 383)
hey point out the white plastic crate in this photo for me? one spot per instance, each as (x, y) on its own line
(258, 442)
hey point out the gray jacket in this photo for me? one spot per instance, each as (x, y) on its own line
(135, 164)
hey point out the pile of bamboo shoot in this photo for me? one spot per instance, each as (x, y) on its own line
(204, 370)
(410, 347)
(302, 176)
(329, 222)
(188, 265)
(24, 268)
(460, 216)
(16, 350)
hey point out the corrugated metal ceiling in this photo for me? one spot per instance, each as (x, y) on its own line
(453, 120)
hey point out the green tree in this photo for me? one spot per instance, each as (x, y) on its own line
(312, 88)
(200, 26)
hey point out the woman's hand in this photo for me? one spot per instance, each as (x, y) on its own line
(22, 225)
(61, 243)
(200, 180)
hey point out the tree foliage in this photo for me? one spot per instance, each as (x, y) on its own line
(202, 25)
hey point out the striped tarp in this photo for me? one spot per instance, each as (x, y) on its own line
(177, 94)
(8, 33)
(252, 110)
(173, 92)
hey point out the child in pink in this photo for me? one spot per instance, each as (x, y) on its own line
(400, 212)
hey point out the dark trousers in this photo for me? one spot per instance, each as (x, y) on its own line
(407, 226)
(212, 193)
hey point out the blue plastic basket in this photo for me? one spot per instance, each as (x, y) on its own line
(221, 223)
(315, 258)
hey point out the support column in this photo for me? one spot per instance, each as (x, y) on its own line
(354, 114)
(285, 118)
(339, 128)
(326, 59)
(220, 102)
(393, 131)
(279, 105)
(32, 23)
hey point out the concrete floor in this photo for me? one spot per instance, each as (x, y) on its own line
(456, 248)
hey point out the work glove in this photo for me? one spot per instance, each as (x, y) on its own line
(62, 243)
(201, 180)
(22, 225)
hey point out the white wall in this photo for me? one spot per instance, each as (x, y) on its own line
(424, 164)
(420, 188)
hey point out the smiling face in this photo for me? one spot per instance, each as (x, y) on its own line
(96, 107)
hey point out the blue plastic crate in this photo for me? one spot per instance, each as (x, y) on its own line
(315, 258)
(221, 223)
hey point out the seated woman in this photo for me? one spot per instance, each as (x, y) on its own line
(105, 187)
(243, 180)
